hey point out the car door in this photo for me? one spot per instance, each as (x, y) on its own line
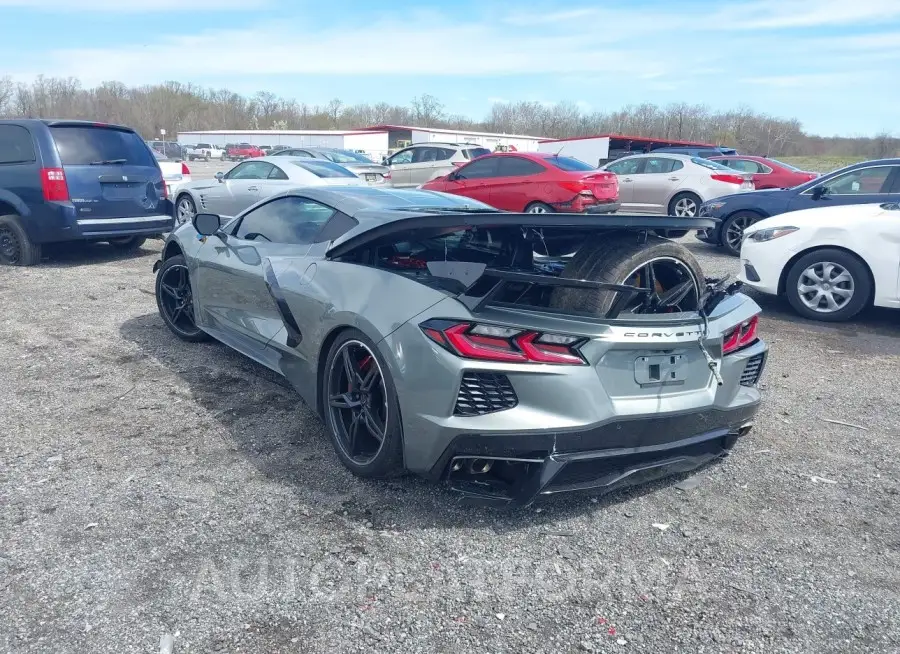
(241, 300)
(862, 185)
(243, 185)
(474, 179)
(400, 164)
(424, 161)
(655, 183)
(626, 170)
(515, 185)
(277, 182)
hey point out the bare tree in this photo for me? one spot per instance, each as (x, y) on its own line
(427, 110)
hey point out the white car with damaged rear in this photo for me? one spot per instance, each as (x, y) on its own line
(830, 263)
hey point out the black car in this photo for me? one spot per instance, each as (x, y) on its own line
(701, 151)
(68, 180)
(862, 183)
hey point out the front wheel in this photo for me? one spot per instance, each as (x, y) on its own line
(733, 230)
(185, 209)
(175, 300)
(361, 410)
(829, 284)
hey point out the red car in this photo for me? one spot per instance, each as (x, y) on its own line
(767, 173)
(243, 151)
(532, 182)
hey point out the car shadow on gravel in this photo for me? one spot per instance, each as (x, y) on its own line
(273, 429)
(79, 253)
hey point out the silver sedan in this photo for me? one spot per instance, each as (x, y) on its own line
(255, 179)
(375, 174)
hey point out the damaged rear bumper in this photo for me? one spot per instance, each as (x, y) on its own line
(517, 469)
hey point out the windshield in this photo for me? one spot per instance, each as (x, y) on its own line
(712, 165)
(83, 146)
(569, 164)
(346, 156)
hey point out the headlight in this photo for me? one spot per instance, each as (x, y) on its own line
(714, 206)
(773, 232)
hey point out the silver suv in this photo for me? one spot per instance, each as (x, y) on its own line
(424, 162)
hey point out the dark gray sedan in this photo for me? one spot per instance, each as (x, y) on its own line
(374, 174)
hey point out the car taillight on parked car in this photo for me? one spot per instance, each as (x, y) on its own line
(184, 169)
(578, 188)
(53, 185)
(387, 174)
(729, 179)
(741, 336)
(504, 344)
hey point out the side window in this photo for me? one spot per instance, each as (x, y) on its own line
(16, 145)
(659, 165)
(291, 220)
(859, 182)
(479, 169)
(744, 166)
(277, 173)
(426, 155)
(445, 153)
(626, 167)
(402, 157)
(250, 170)
(896, 186)
(518, 167)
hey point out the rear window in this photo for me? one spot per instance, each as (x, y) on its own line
(82, 146)
(203, 145)
(712, 165)
(786, 165)
(347, 156)
(321, 168)
(569, 164)
(471, 153)
(16, 145)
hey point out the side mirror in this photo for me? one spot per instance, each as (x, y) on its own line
(207, 224)
(818, 192)
(220, 176)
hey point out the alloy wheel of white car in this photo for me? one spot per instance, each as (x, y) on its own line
(825, 287)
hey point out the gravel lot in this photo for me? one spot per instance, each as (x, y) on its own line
(150, 488)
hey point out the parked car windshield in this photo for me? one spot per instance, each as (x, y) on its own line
(569, 164)
(322, 168)
(346, 156)
(712, 165)
(85, 145)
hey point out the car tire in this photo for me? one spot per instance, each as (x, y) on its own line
(16, 248)
(380, 401)
(185, 209)
(685, 205)
(127, 243)
(618, 259)
(539, 207)
(859, 284)
(732, 232)
(173, 289)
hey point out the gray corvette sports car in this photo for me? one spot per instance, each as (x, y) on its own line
(509, 355)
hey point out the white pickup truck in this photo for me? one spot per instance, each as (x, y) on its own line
(205, 151)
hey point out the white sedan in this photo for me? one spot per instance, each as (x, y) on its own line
(830, 262)
(175, 173)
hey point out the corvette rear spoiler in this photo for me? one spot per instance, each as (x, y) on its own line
(438, 222)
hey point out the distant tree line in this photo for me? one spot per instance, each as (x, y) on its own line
(175, 107)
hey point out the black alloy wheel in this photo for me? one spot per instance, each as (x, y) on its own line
(357, 402)
(175, 300)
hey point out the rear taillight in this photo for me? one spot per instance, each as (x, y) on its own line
(184, 169)
(53, 184)
(504, 344)
(741, 336)
(387, 174)
(729, 179)
(165, 191)
(578, 187)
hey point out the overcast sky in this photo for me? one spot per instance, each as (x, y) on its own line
(834, 64)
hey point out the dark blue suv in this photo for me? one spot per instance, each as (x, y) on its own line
(64, 180)
(863, 183)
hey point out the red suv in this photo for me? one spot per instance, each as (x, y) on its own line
(767, 173)
(532, 182)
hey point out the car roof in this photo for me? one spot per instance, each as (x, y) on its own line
(650, 155)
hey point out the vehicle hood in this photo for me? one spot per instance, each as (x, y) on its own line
(360, 168)
(836, 217)
(381, 226)
(200, 184)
